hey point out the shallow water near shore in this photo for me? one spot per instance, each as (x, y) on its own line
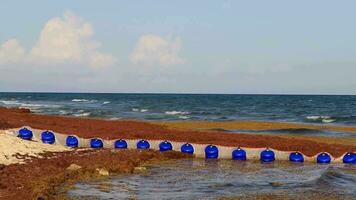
(213, 179)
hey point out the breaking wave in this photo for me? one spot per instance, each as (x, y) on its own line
(176, 113)
(139, 110)
(80, 100)
(85, 114)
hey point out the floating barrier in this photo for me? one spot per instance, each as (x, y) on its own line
(25, 134)
(96, 143)
(267, 156)
(120, 144)
(349, 158)
(323, 158)
(48, 137)
(211, 152)
(199, 150)
(296, 157)
(239, 154)
(72, 141)
(165, 146)
(143, 144)
(187, 148)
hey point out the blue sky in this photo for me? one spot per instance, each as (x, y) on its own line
(283, 47)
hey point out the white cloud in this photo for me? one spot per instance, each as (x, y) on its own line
(62, 41)
(152, 49)
(11, 52)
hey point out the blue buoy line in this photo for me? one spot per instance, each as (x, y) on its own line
(239, 154)
(48, 137)
(187, 148)
(72, 141)
(143, 144)
(323, 158)
(165, 146)
(296, 157)
(349, 158)
(211, 152)
(267, 156)
(120, 144)
(25, 134)
(96, 143)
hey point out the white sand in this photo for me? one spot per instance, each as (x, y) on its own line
(11, 145)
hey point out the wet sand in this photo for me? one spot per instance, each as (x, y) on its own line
(179, 131)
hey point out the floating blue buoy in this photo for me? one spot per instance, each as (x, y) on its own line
(165, 146)
(96, 143)
(143, 144)
(296, 157)
(211, 152)
(48, 137)
(349, 158)
(120, 144)
(267, 156)
(187, 148)
(72, 141)
(323, 158)
(25, 134)
(239, 154)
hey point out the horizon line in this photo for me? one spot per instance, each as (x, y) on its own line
(184, 93)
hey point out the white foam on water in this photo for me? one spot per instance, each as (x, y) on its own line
(10, 102)
(183, 117)
(85, 114)
(139, 110)
(80, 100)
(328, 120)
(176, 112)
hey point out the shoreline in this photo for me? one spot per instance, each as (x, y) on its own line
(175, 131)
(43, 175)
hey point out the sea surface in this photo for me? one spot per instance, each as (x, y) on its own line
(214, 107)
(213, 179)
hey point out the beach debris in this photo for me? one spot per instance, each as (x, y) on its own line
(102, 171)
(140, 169)
(73, 167)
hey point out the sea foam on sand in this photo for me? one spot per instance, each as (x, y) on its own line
(10, 146)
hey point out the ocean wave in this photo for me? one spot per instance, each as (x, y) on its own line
(85, 114)
(176, 112)
(80, 100)
(328, 120)
(63, 112)
(9, 102)
(30, 106)
(114, 118)
(139, 110)
(321, 118)
(317, 117)
(183, 117)
(106, 102)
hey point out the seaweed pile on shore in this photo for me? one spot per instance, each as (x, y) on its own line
(41, 178)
